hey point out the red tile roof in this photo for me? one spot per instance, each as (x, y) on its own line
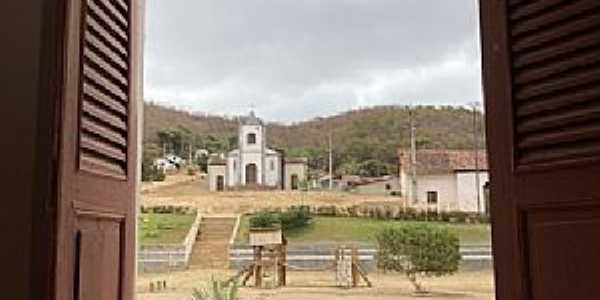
(442, 161)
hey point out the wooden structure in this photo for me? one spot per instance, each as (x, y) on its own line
(270, 261)
(348, 269)
(270, 258)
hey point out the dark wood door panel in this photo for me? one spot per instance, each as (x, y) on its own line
(99, 258)
(541, 74)
(563, 246)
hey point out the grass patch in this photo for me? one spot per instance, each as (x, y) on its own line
(363, 230)
(164, 228)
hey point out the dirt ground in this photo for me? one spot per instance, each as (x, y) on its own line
(302, 285)
(194, 193)
(321, 286)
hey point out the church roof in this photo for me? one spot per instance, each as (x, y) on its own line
(252, 119)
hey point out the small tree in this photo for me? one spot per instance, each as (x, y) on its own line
(418, 250)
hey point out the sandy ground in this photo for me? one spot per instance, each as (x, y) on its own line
(194, 193)
(302, 285)
(320, 286)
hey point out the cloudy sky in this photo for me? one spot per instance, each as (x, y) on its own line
(297, 59)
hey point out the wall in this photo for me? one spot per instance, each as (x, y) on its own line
(290, 170)
(233, 168)
(467, 194)
(444, 184)
(21, 31)
(272, 177)
(213, 172)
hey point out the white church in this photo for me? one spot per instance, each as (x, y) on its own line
(253, 164)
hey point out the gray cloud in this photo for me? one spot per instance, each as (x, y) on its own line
(297, 59)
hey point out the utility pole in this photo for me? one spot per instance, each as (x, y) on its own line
(413, 157)
(476, 154)
(330, 161)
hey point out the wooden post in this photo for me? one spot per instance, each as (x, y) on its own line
(258, 266)
(354, 267)
(283, 253)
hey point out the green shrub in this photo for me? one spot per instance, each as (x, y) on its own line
(295, 217)
(418, 250)
(217, 290)
(264, 219)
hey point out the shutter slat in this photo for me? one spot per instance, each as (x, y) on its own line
(107, 133)
(93, 94)
(559, 153)
(556, 15)
(555, 102)
(100, 165)
(559, 136)
(122, 5)
(104, 116)
(554, 33)
(107, 20)
(96, 43)
(558, 50)
(104, 65)
(114, 12)
(101, 148)
(556, 67)
(556, 81)
(520, 11)
(107, 36)
(94, 76)
(561, 118)
(556, 85)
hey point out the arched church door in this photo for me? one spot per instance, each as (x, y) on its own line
(251, 174)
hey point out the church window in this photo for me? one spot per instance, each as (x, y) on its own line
(272, 165)
(251, 138)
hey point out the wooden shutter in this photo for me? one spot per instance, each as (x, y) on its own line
(104, 88)
(541, 70)
(98, 150)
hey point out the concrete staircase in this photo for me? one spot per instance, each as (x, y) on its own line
(211, 250)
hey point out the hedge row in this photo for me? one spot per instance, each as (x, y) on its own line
(168, 209)
(389, 212)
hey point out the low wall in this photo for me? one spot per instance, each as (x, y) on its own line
(168, 257)
(315, 257)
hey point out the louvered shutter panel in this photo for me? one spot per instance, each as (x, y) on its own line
(98, 160)
(556, 80)
(105, 88)
(541, 71)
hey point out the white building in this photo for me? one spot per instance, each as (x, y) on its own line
(254, 164)
(446, 180)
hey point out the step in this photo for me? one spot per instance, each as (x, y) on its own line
(211, 249)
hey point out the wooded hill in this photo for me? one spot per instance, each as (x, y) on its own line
(366, 136)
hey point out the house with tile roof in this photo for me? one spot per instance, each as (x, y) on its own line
(444, 180)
